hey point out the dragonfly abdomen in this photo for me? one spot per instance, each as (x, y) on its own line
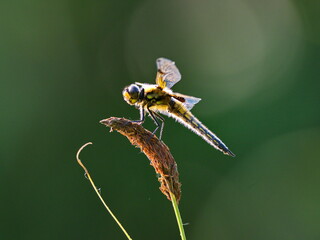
(186, 118)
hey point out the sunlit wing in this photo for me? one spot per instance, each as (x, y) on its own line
(146, 85)
(168, 74)
(187, 101)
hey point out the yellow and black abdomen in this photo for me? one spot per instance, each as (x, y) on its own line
(186, 118)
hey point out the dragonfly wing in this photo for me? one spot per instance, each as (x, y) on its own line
(168, 74)
(146, 85)
(187, 101)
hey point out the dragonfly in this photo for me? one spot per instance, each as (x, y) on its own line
(159, 98)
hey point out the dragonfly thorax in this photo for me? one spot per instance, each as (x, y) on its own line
(132, 94)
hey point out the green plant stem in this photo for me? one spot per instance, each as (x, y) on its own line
(178, 216)
(98, 193)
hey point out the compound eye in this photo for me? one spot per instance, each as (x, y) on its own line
(133, 90)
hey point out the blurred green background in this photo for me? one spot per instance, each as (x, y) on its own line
(255, 64)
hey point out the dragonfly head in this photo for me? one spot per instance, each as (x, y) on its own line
(132, 94)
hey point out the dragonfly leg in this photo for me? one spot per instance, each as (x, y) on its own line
(162, 123)
(142, 115)
(155, 116)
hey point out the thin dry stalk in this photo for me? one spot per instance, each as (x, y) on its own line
(97, 190)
